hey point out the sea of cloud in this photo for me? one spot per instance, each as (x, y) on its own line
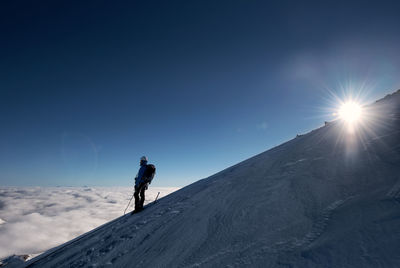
(35, 219)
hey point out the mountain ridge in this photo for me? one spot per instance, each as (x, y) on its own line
(326, 198)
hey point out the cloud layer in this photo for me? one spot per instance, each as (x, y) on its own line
(33, 220)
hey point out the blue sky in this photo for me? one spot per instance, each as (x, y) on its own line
(87, 88)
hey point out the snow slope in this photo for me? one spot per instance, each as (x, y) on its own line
(325, 199)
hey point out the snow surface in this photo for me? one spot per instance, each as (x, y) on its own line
(328, 198)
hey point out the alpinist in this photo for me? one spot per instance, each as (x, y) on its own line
(142, 180)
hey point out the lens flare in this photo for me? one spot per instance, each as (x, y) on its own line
(351, 112)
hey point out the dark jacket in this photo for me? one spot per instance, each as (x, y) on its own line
(139, 176)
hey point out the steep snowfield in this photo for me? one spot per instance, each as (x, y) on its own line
(325, 199)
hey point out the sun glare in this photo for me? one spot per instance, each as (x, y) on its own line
(350, 112)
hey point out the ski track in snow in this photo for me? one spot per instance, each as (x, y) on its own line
(317, 230)
(318, 227)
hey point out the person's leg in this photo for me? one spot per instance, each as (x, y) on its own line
(137, 200)
(142, 196)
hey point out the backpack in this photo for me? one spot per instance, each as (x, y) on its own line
(149, 173)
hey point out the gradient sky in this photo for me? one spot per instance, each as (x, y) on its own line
(88, 87)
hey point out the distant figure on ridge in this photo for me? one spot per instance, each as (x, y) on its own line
(142, 181)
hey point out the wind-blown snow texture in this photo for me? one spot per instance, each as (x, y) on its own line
(324, 199)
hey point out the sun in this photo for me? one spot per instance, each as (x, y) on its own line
(350, 112)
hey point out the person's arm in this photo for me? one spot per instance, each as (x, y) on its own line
(141, 173)
(136, 178)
